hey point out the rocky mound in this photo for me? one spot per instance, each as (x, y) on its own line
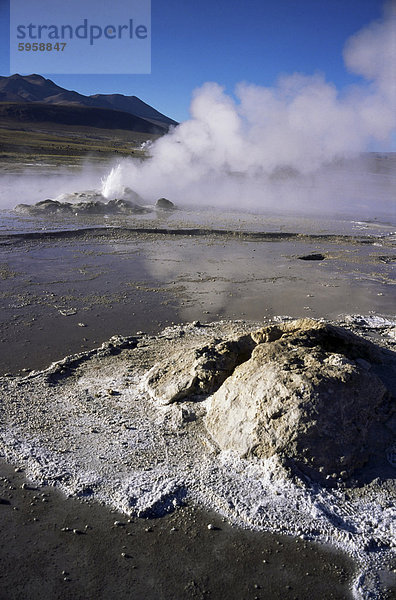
(304, 391)
(91, 207)
(91, 202)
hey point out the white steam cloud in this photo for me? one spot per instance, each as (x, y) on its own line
(269, 146)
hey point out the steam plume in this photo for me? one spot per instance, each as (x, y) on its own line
(242, 151)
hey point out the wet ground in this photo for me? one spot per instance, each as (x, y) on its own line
(64, 548)
(63, 292)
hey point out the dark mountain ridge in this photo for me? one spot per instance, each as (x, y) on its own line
(27, 89)
(68, 114)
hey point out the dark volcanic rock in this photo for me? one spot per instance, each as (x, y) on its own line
(44, 206)
(164, 203)
(90, 203)
(313, 256)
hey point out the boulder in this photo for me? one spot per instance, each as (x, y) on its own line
(164, 203)
(313, 256)
(307, 394)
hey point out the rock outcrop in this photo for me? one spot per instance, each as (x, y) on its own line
(197, 372)
(307, 394)
(303, 390)
(93, 206)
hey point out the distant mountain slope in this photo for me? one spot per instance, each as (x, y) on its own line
(133, 105)
(103, 118)
(35, 88)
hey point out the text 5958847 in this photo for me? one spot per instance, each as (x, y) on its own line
(41, 47)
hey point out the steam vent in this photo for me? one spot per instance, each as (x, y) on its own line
(303, 390)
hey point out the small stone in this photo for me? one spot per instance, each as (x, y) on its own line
(67, 312)
(211, 526)
(313, 256)
(119, 524)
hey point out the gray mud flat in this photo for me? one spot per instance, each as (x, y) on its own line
(67, 290)
(89, 426)
(176, 556)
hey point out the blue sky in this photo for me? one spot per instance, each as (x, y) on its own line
(227, 41)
